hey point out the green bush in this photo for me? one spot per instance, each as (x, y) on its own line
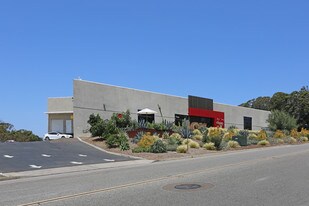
(198, 137)
(194, 144)
(197, 132)
(303, 139)
(216, 140)
(290, 140)
(182, 149)
(118, 140)
(96, 125)
(263, 143)
(171, 147)
(140, 149)
(173, 141)
(233, 144)
(209, 146)
(122, 120)
(158, 147)
(279, 120)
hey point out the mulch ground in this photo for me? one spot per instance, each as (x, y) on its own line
(162, 156)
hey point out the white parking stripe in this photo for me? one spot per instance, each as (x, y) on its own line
(76, 163)
(45, 155)
(109, 160)
(82, 155)
(35, 166)
(8, 156)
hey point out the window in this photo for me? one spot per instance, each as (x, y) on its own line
(248, 123)
(146, 117)
(179, 119)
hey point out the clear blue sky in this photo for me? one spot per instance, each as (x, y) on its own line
(230, 51)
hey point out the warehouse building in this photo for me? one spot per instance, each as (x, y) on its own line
(70, 114)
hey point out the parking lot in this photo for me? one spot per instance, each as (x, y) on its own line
(23, 156)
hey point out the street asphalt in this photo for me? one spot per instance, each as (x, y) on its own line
(276, 176)
(24, 156)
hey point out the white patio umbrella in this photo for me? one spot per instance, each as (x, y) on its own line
(146, 111)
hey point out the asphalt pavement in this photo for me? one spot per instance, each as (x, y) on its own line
(276, 176)
(25, 156)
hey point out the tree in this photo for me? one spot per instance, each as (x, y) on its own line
(295, 104)
(279, 120)
(262, 103)
(278, 101)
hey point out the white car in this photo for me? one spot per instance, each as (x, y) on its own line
(56, 135)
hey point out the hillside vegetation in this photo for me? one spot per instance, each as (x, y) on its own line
(295, 104)
(7, 132)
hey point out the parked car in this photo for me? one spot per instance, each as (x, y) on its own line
(56, 135)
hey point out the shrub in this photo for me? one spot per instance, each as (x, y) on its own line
(182, 149)
(263, 143)
(122, 120)
(198, 137)
(209, 146)
(280, 141)
(176, 135)
(294, 133)
(173, 141)
(171, 147)
(186, 141)
(261, 135)
(196, 132)
(205, 138)
(158, 147)
(140, 149)
(228, 136)
(194, 144)
(146, 141)
(165, 135)
(215, 135)
(303, 139)
(118, 140)
(304, 132)
(279, 134)
(279, 120)
(96, 125)
(233, 144)
(138, 137)
(291, 140)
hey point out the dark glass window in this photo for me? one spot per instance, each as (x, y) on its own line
(248, 123)
(209, 122)
(179, 119)
(146, 117)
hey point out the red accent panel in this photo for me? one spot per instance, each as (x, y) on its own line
(217, 116)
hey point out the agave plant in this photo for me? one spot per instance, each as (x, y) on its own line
(142, 124)
(168, 125)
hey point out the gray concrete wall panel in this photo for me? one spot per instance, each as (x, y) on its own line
(105, 100)
(234, 115)
(60, 104)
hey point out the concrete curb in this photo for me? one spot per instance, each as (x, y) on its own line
(113, 153)
(80, 168)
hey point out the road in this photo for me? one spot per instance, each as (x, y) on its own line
(23, 156)
(268, 176)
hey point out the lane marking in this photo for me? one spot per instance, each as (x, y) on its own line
(76, 163)
(109, 160)
(35, 166)
(45, 155)
(180, 175)
(82, 155)
(8, 156)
